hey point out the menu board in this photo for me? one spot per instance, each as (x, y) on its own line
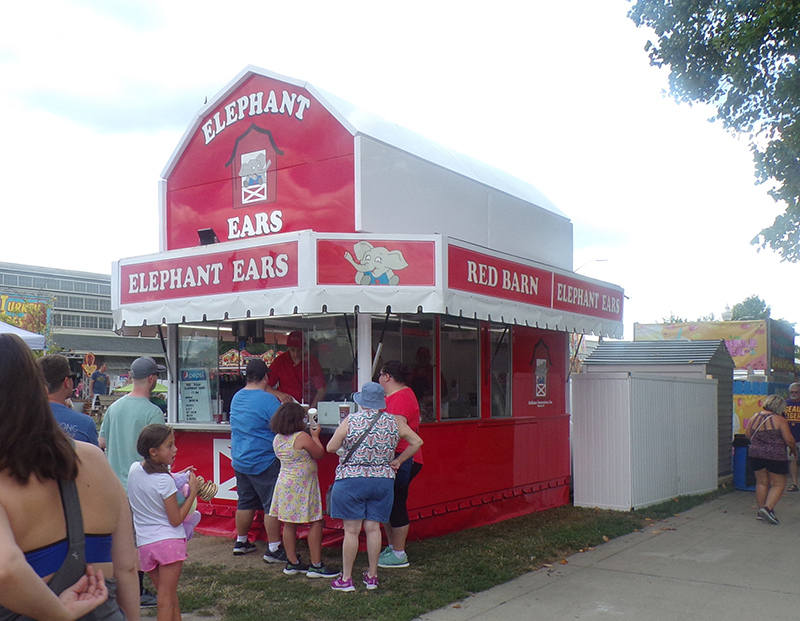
(195, 395)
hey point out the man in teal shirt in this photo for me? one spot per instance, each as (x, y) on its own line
(122, 424)
(125, 418)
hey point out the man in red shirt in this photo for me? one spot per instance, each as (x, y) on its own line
(295, 375)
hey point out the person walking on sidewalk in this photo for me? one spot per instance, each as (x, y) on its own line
(792, 415)
(769, 437)
(254, 460)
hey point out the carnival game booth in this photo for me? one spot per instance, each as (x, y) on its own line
(285, 209)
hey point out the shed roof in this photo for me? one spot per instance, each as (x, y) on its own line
(660, 353)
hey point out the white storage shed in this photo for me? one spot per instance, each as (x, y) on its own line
(699, 359)
(639, 438)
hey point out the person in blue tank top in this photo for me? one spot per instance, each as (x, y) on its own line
(66, 538)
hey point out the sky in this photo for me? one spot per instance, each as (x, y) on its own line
(95, 95)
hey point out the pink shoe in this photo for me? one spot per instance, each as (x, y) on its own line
(370, 581)
(345, 585)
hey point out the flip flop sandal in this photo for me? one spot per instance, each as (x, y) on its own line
(792, 488)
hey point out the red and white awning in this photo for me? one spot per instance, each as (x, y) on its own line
(309, 273)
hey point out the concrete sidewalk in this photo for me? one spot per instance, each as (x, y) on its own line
(715, 561)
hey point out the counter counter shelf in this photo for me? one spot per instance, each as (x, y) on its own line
(225, 427)
(331, 412)
(205, 426)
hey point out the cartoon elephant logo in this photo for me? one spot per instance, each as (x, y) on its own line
(376, 265)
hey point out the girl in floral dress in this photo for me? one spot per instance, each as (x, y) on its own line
(296, 499)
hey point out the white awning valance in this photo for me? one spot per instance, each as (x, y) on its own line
(310, 273)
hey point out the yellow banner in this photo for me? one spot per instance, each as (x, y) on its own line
(746, 340)
(28, 313)
(744, 408)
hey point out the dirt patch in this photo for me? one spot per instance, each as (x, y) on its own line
(219, 551)
(215, 551)
(209, 550)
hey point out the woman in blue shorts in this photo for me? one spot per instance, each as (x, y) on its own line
(363, 492)
(769, 435)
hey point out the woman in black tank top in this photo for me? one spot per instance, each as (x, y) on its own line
(770, 436)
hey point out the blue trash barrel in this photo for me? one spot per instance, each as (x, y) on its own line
(742, 479)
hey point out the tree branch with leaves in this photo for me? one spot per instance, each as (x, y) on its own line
(741, 58)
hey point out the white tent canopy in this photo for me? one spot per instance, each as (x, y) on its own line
(34, 341)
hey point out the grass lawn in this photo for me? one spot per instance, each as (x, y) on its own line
(443, 570)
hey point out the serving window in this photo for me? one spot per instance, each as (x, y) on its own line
(213, 357)
(459, 367)
(198, 373)
(523, 368)
(444, 356)
(411, 339)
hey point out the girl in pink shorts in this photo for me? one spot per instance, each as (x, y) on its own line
(157, 517)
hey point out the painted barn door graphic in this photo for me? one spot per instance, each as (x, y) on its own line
(541, 363)
(539, 372)
(254, 168)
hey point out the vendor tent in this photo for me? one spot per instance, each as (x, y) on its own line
(34, 341)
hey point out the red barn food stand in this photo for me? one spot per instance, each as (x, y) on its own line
(284, 208)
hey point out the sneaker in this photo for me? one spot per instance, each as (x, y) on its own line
(292, 569)
(148, 599)
(386, 551)
(320, 571)
(279, 556)
(343, 585)
(243, 547)
(768, 515)
(370, 581)
(391, 561)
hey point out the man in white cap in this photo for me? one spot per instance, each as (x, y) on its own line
(122, 424)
